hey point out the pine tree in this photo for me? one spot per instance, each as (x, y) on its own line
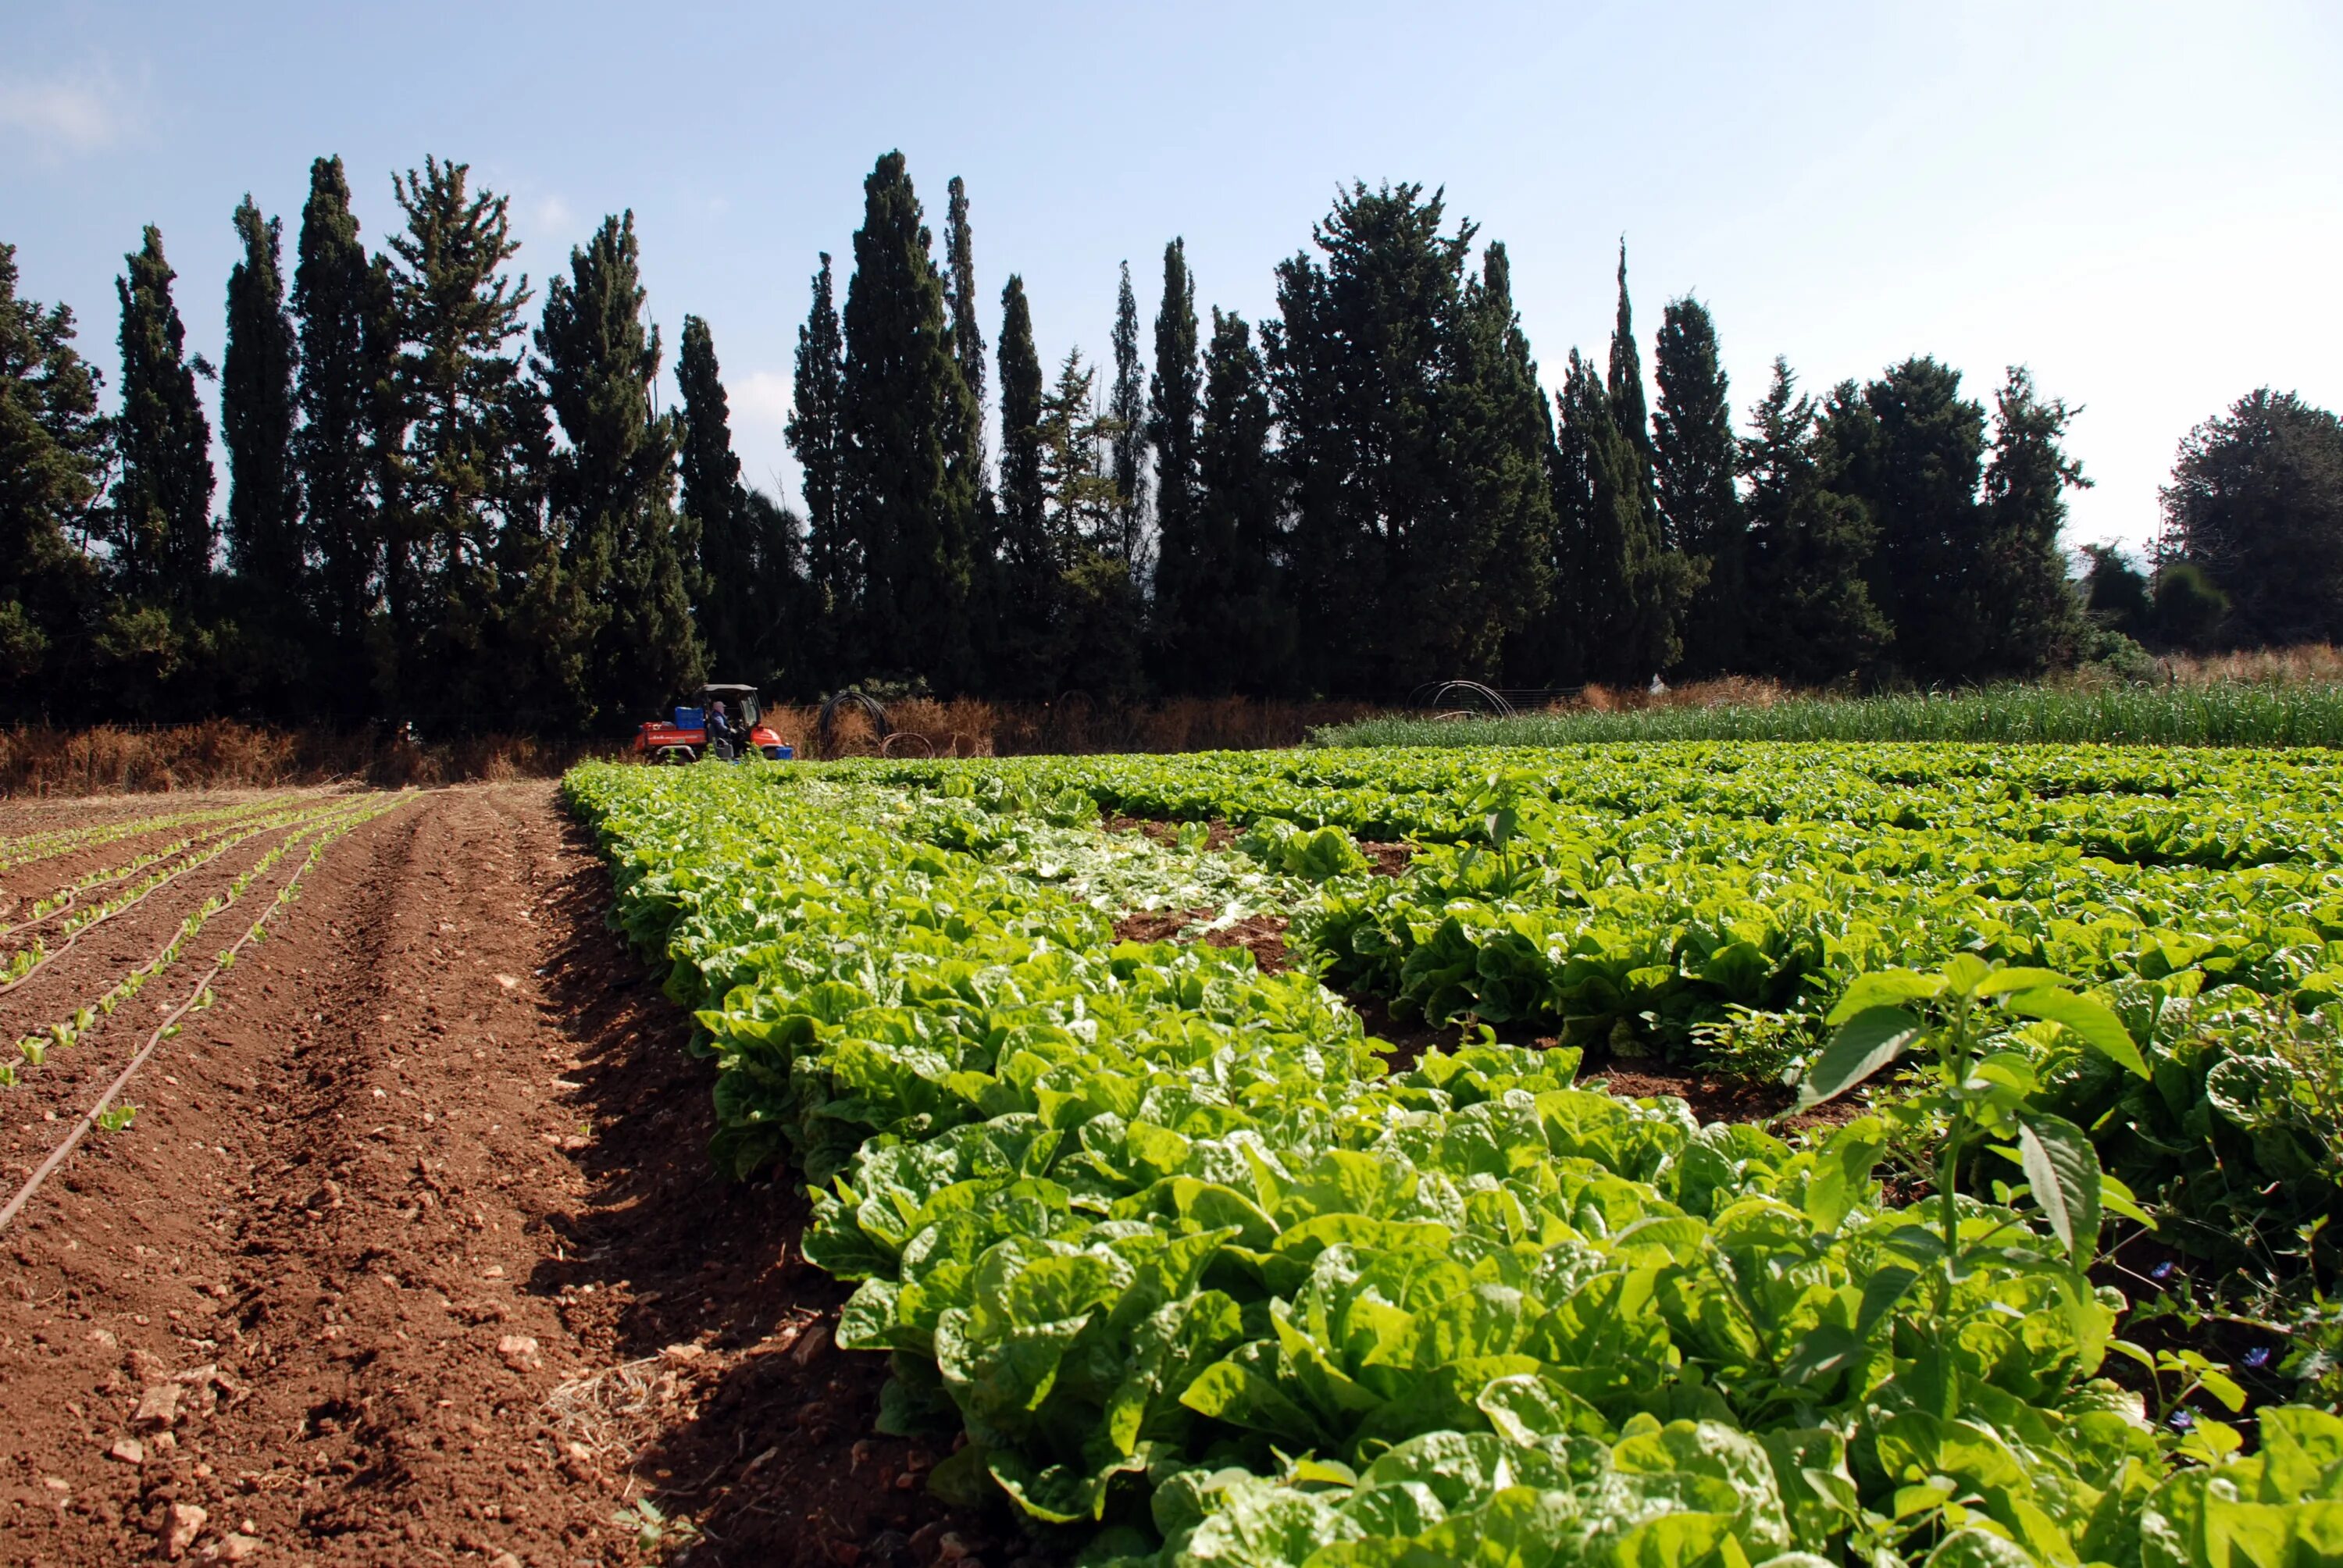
(263, 541)
(1126, 411)
(833, 564)
(1242, 619)
(613, 487)
(469, 559)
(2032, 619)
(1693, 459)
(1362, 366)
(161, 527)
(1811, 619)
(1173, 408)
(53, 447)
(2254, 512)
(1027, 569)
(724, 579)
(1912, 449)
(335, 302)
(909, 506)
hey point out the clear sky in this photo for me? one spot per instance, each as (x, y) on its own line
(2141, 201)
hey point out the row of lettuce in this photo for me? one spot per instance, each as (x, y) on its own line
(1195, 1274)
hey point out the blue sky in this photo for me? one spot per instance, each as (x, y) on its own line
(2142, 202)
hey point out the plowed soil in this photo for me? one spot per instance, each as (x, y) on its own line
(412, 1253)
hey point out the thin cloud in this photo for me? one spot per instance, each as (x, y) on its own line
(75, 112)
(762, 397)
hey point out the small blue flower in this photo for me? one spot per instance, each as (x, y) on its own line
(2258, 1358)
(2182, 1420)
(2162, 1271)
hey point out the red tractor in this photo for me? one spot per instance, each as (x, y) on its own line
(687, 739)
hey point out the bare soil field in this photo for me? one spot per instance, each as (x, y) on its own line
(413, 1252)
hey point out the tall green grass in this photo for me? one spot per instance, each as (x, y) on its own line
(2218, 715)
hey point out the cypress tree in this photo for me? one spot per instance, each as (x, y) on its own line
(335, 300)
(2254, 514)
(1126, 412)
(967, 338)
(263, 541)
(1624, 386)
(1095, 644)
(968, 460)
(52, 444)
(2032, 619)
(613, 487)
(1630, 591)
(725, 580)
(1495, 565)
(469, 555)
(1659, 578)
(1693, 459)
(1028, 570)
(1243, 623)
(1810, 617)
(834, 566)
(1172, 408)
(909, 505)
(161, 527)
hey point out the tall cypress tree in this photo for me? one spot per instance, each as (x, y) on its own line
(469, 553)
(1693, 459)
(1126, 411)
(1027, 571)
(1172, 408)
(2032, 615)
(967, 338)
(1811, 619)
(834, 566)
(335, 298)
(1243, 620)
(613, 487)
(909, 504)
(161, 527)
(263, 541)
(725, 582)
(968, 460)
(1660, 579)
(53, 445)
(1500, 437)
(1629, 591)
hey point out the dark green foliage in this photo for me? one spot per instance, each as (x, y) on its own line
(1025, 567)
(1624, 594)
(1811, 616)
(478, 636)
(52, 447)
(624, 548)
(1694, 460)
(909, 498)
(2029, 612)
(2255, 503)
(1126, 412)
(161, 522)
(2190, 608)
(1501, 450)
(341, 313)
(1243, 635)
(724, 579)
(1398, 576)
(1911, 448)
(967, 338)
(2114, 590)
(1174, 393)
(815, 433)
(264, 544)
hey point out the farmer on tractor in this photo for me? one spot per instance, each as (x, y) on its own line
(725, 722)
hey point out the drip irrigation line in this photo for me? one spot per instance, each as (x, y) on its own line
(74, 893)
(8, 987)
(88, 1119)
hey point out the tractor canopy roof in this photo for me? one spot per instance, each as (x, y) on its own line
(714, 689)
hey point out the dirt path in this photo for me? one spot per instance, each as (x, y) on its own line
(412, 1254)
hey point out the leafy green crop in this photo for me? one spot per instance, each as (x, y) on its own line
(1192, 1268)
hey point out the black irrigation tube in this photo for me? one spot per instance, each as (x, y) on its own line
(88, 1119)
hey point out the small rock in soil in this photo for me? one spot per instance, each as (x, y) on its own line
(182, 1523)
(158, 1405)
(519, 1351)
(129, 1450)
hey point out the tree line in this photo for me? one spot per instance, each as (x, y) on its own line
(439, 513)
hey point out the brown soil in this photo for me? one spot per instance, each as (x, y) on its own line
(412, 1253)
(1264, 936)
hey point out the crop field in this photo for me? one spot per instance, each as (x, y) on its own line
(1253, 1159)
